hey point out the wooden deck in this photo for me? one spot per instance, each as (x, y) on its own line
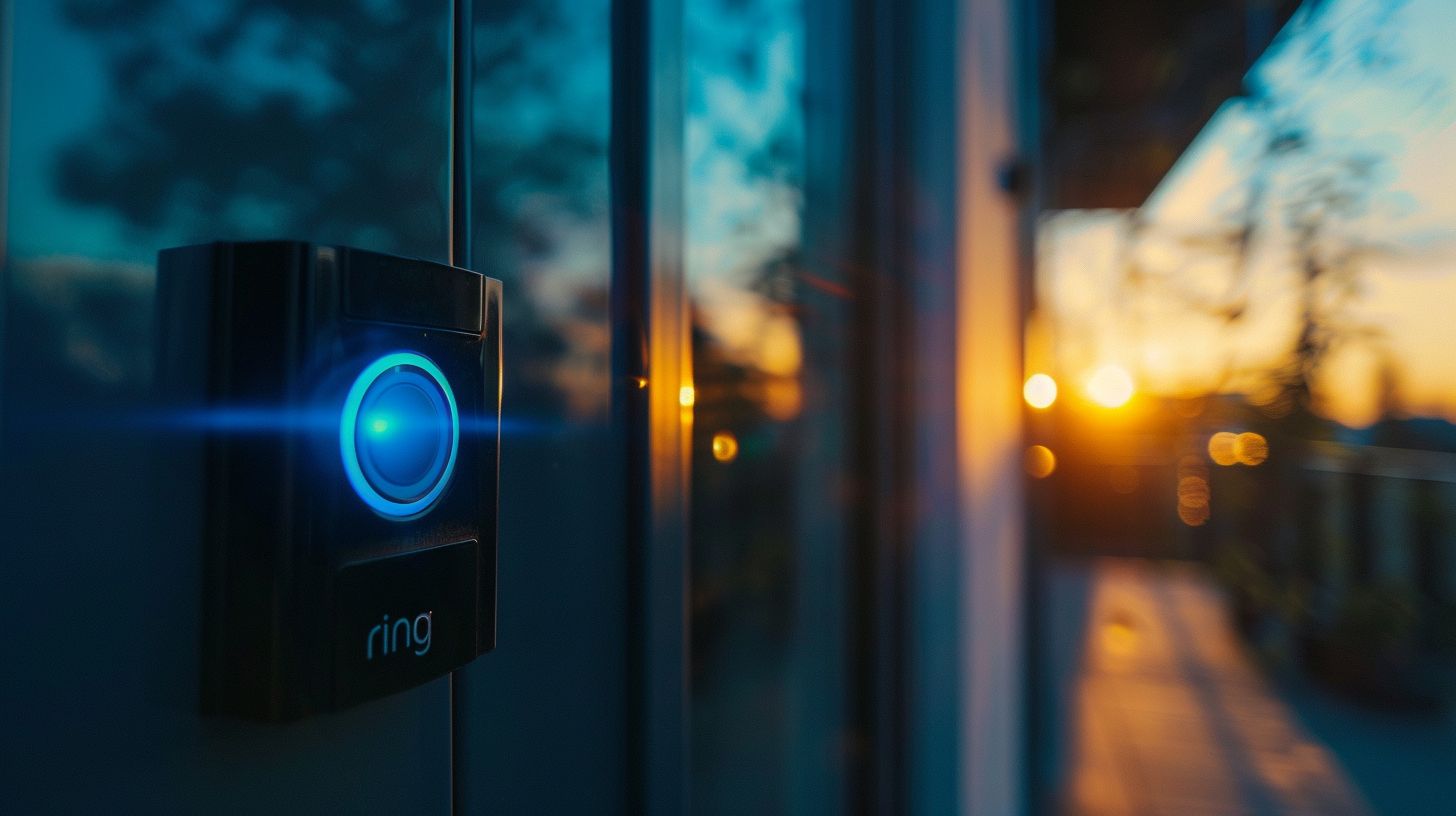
(1160, 710)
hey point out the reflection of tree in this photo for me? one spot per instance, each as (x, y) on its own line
(744, 511)
(1298, 538)
(540, 196)
(1308, 157)
(257, 118)
(1319, 192)
(745, 149)
(292, 118)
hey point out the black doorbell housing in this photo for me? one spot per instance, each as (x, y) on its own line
(349, 410)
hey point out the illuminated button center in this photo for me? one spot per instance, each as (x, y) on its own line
(406, 436)
(400, 434)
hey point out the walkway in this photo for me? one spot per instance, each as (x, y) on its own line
(1163, 710)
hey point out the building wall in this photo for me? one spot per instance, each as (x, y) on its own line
(988, 352)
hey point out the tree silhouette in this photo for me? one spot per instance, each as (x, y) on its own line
(268, 119)
(256, 119)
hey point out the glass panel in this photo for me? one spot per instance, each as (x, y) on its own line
(137, 125)
(544, 720)
(762, 671)
(1256, 399)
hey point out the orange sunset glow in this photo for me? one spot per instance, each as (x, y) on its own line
(1193, 300)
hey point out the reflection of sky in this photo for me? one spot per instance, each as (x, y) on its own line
(743, 135)
(57, 84)
(744, 95)
(1354, 78)
(744, 146)
(524, 97)
(60, 85)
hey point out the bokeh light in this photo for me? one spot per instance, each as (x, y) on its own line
(1251, 449)
(1222, 448)
(1040, 391)
(725, 446)
(1040, 462)
(1110, 386)
(1227, 448)
(1193, 500)
(1193, 491)
(687, 396)
(1193, 516)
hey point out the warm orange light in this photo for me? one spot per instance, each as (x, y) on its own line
(1223, 448)
(779, 349)
(1193, 500)
(1040, 462)
(1251, 449)
(1193, 516)
(1110, 386)
(725, 446)
(640, 382)
(1119, 638)
(782, 398)
(1040, 391)
(686, 396)
(1193, 491)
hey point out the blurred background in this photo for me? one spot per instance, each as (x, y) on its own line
(1240, 408)
(1066, 392)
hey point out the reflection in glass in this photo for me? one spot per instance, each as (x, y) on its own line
(744, 189)
(137, 125)
(140, 125)
(542, 91)
(557, 676)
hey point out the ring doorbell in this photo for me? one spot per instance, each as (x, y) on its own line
(348, 414)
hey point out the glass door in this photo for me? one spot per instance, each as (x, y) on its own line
(135, 126)
(542, 721)
(743, 493)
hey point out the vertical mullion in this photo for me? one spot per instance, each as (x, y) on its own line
(462, 78)
(628, 170)
(879, 356)
(862, 777)
(7, 41)
(650, 365)
(826, 770)
(462, 82)
(929, 758)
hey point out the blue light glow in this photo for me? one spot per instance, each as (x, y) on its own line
(397, 370)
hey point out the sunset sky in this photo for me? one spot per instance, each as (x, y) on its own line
(1169, 300)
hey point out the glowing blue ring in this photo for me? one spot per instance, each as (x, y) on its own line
(349, 420)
